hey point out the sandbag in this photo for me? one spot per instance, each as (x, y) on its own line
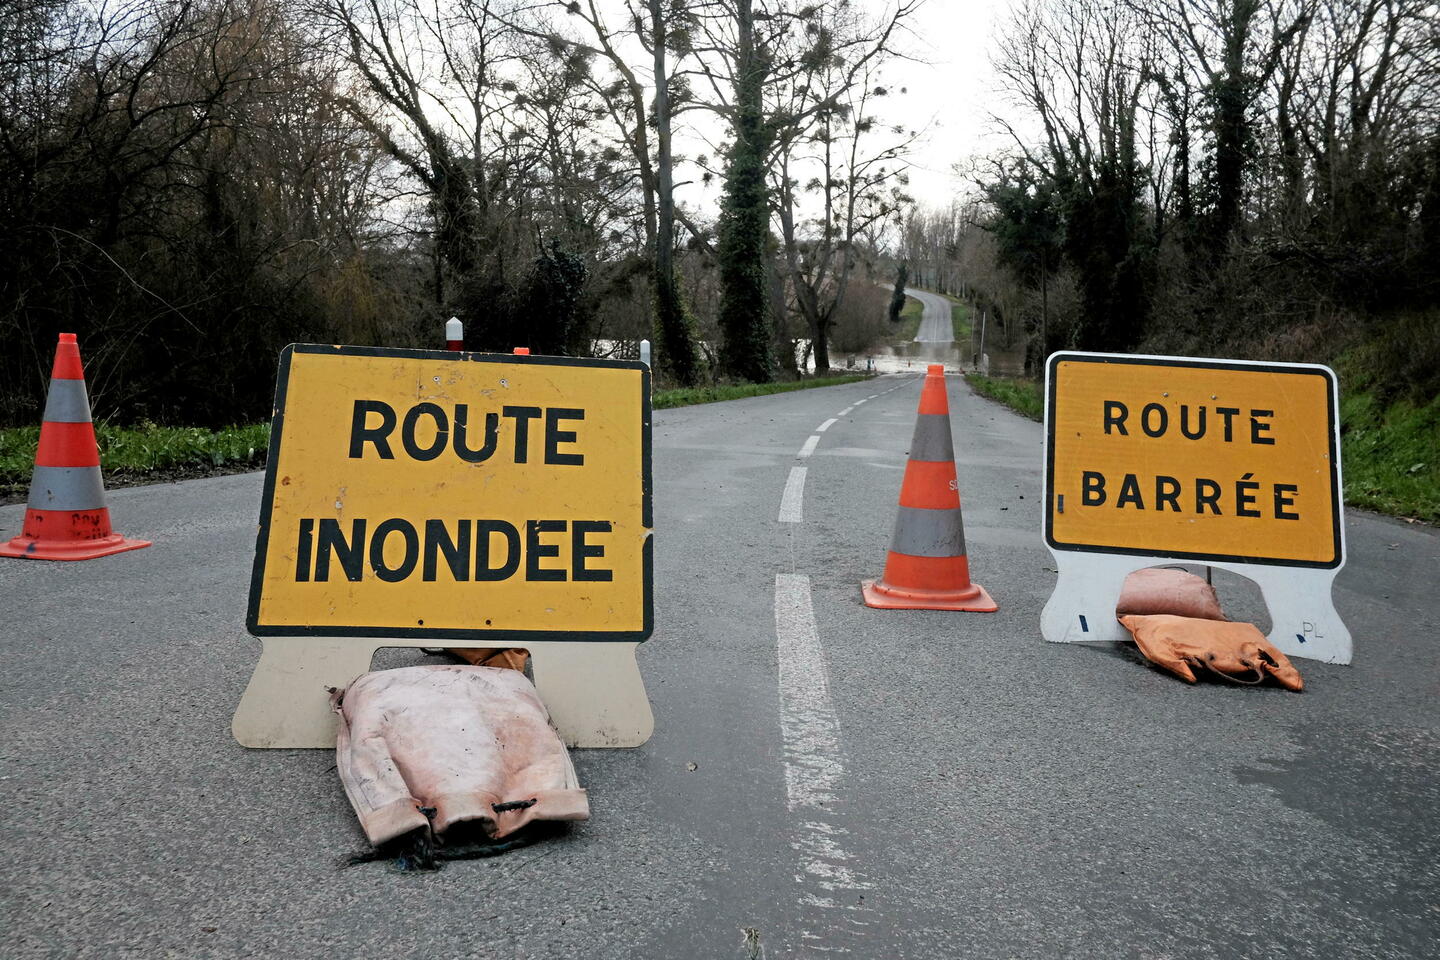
(1158, 590)
(435, 746)
(508, 658)
(1234, 651)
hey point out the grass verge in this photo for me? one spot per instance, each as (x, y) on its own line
(1390, 455)
(149, 454)
(910, 319)
(959, 319)
(1018, 394)
(128, 452)
(686, 396)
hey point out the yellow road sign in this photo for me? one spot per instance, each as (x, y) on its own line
(414, 493)
(1195, 459)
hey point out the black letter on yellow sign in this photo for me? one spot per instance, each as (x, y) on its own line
(407, 435)
(303, 550)
(1092, 490)
(483, 530)
(351, 555)
(437, 541)
(1145, 418)
(580, 551)
(1115, 414)
(1282, 501)
(554, 436)
(522, 417)
(377, 550)
(1130, 493)
(535, 551)
(359, 433)
(492, 430)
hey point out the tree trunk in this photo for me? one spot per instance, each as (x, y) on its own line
(675, 335)
(745, 220)
(821, 337)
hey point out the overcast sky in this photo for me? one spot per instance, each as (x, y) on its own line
(952, 93)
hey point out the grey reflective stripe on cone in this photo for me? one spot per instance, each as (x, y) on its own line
(932, 442)
(66, 488)
(928, 533)
(67, 402)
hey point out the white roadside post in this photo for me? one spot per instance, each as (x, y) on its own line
(645, 352)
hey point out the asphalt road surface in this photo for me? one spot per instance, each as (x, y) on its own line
(824, 778)
(935, 325)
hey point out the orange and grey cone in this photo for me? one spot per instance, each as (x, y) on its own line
(927, 568)
(67, 518)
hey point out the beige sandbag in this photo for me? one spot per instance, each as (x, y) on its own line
(467, 744)
(1160, 590)
(1235, 651)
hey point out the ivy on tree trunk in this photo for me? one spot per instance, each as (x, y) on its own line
(674, 326)
(744, 228)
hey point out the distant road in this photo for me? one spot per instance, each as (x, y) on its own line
(935, 326)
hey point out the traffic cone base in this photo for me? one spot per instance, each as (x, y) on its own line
(975, 599)
(927, 567)
(41, 541)
(66, 517)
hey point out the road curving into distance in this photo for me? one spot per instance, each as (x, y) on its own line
(935, 325)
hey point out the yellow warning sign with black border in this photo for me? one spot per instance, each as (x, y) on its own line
(416, 493)
(1193, 459)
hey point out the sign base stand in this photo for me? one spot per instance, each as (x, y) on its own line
(593, 690)
(1302, 614)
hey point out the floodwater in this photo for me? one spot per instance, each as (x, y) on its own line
(912, 355)
(898, 356)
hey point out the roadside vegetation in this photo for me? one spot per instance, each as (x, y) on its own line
(148, 453)
(1017, 393)
(188, 187)
(910, 317)
(687, 396)
(143, 453)
(913, 311)
(960, 313)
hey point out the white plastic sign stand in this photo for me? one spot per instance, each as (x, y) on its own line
(593, 691)
(1302, 616)
(1153, 461)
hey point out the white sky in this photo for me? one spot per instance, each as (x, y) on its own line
(952, 94)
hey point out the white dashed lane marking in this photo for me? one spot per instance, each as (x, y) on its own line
(792, 500)
(814, 767)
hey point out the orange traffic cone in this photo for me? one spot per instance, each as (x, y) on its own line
(67, 518)
(927, 568)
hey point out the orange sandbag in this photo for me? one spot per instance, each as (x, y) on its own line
(432, 747)
(1176, 592)
(1232, 650)
(506, 658)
